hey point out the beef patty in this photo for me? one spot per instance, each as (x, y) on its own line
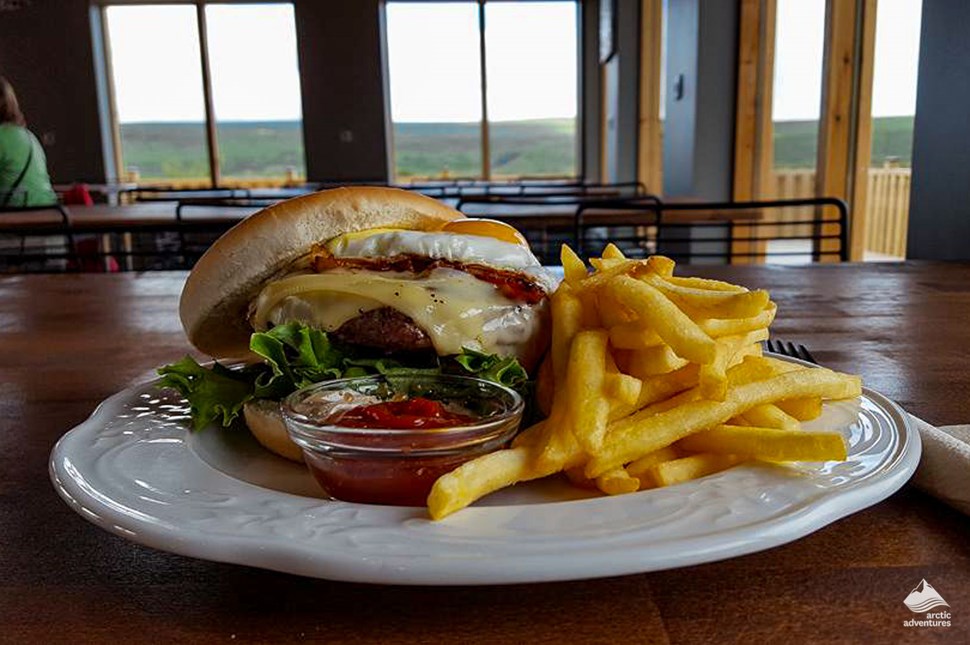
(385, 329)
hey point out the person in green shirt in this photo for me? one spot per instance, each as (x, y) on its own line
(23, 166)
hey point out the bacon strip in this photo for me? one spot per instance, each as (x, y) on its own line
(513, 285)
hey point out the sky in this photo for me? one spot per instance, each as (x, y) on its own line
(433, 56)
(799, 35)
(157, 73)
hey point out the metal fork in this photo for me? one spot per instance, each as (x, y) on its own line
(790, 349)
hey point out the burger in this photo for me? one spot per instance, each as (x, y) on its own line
(349, 282)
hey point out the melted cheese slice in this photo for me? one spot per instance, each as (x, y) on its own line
(455, 309)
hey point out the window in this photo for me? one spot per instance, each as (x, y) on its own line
(455, 117)
(252, 132)
(159, 101)
(895, 64)
(796, 100)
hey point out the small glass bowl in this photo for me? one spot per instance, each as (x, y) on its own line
(396, 466)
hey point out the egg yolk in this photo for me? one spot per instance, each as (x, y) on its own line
(486, 228)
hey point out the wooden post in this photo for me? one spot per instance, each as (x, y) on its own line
(650, 153)
(753, 151)
(109, 79)
(859, 204)
(836, 124)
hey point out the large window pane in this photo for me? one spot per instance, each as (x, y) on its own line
(435, 86)
(893, 110)
(531, 68)
(158, 92)
(256, 91)
(797, 95)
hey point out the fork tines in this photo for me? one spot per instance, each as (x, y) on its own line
(790, 349)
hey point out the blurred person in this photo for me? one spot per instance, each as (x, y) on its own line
(23, 166)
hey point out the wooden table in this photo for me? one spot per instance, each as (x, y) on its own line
(68, 341)
(131, 218)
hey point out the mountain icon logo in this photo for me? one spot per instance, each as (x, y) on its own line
(924, 598)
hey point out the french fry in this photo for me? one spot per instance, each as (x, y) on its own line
(638, 434)
(704, 283)
(617, 482)
(613, 313)
(671, 324)
(623, 390)
(768, 444)
(631, 335)
(661, 265)
(645, 368)
(802, 409)
(713, 376)
(577, 478)
(476, 478)
(574, 269)
(567, 319)
(531, 436)
(613, 252)
(708, 303)
(685, 469)
(665, 386)
(770, 415)
(587, 409)
(603, 264)
(640, 467)
(644, 363)
(718, 327)
(545, 385)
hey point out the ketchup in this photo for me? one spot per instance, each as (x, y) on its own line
(401, 478)
(417, 412)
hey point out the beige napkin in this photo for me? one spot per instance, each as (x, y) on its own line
(944, 468)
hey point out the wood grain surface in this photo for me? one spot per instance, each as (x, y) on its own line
(69, 341)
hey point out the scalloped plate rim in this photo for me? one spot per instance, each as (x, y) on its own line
(304, 559)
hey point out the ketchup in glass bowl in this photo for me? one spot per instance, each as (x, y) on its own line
(386, 439)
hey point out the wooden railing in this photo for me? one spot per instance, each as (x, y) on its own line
(887, 203)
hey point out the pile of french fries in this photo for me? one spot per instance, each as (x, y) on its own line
(652, 380)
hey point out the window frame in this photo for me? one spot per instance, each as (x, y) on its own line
(210, 124)
(845, 117)
(485, 174)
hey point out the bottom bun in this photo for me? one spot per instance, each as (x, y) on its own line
(266, 423)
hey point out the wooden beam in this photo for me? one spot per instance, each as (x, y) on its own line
(858, 203)
(650, 152)
(835, 126)
(109, 79)
(753, 145)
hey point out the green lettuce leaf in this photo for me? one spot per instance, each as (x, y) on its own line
(492, 367)
(214, 395)
(295, 356)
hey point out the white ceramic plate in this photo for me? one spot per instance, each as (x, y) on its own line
(133, 469)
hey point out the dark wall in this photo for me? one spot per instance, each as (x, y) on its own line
(340, 50)
(699, 122)
(939, 217)
(45, 52)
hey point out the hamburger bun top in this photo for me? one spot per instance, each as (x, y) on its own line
(215, 300)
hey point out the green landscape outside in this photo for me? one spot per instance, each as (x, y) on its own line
(252, 150)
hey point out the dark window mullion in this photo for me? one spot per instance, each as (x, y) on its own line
(210, 121)
(486, 141)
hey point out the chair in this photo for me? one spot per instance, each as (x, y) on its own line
(192, 239)
(775, 231)
(547, 220)
(31, 242)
